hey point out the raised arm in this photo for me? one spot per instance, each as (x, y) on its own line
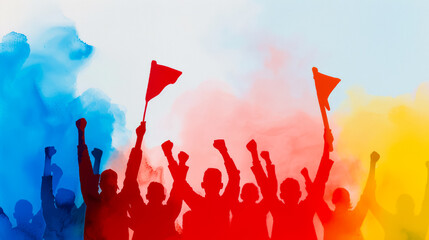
(167, 148)
(47, 195)
(57, 173)
(88, 181)
(325, 163)
(232, 189)
(370, 182)
(271, 171)
(323, 211)
(181, 188)
(315, 195)
(381, 214)
(257, 169)
(135, 158)
(269, 185)
(364, 203)
(174, 202)
(97, 154)
(131, 188)
(49, 152)
(424, 213)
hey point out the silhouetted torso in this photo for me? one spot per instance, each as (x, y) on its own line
(5, 226)
(405, 224)
(60, 223)
(30, 231)
(210, 217)
(343, 225)
(156, 222)
(293, 222)
(249, 221)
(400, 228)
(106, 216)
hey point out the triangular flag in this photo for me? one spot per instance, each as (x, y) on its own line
(324, 86)
(160, 76)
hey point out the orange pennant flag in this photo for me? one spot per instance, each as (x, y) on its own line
(324, 86)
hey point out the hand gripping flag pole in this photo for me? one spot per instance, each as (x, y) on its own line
(160, 76)
(324, 86)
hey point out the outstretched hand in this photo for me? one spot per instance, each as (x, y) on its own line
(141, 129)
(97, 153)
(266, 156)
(251, 145)
(50, 151)
(375, 156)
(81, 124)
(219, 144)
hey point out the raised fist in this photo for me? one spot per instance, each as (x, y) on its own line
(219, 144)
(50, 151)
(81, 124)
(266, 156)
(308, 183)
(304, 172)
(141, 130)
(251, 145)
(375, 156)
(97, 153)
(167, 146)
(183, 157)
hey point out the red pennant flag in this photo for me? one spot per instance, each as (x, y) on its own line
(324, 86)
(160, 76)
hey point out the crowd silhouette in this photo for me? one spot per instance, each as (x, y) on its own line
(109, 214)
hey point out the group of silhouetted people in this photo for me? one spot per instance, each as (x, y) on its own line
(109, 213)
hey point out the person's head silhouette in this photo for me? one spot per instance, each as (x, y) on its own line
(405, 205)
(249, 193)
(109, 182)
(155, 193)
(65, 198)
(212, 182)
(290, 192)
(341, 199)
(23, 212)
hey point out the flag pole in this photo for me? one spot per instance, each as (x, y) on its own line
(324, 116)
(325, 123)
(145, 108)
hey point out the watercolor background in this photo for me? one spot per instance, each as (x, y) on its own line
(246, 74)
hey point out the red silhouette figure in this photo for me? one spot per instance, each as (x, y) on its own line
(293, 219)
(209, 216)
(404, 224)
(154, 220)
(344, 223)
(249, 217)
(106, 215)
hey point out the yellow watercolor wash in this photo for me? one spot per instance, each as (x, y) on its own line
(397, 128)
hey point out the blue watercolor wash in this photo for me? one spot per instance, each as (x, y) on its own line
(39, 107)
